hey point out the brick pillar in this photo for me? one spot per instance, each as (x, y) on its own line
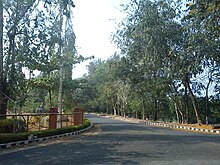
(53, 118)
(78, 116)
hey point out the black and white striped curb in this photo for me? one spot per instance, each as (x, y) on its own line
(19, 143)
(180, 127)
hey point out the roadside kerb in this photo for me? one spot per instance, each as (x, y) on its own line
(167, 125)
(179, 127)
(24, 142)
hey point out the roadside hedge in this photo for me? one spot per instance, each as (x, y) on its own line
(11, 137)
(7, 125)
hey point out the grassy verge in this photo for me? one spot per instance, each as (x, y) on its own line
(10, 137)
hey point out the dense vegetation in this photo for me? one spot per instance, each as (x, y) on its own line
(9, 137)
(12, 125)
(168, 66)
(37, 54)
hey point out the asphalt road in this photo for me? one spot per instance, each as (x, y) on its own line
(119, 142)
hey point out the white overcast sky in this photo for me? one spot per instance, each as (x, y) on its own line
(93, 24)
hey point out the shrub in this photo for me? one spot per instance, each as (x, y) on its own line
(6, 138)
(7, 125)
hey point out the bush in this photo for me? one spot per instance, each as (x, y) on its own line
(63, 130)
(6, 138)
(7, 125)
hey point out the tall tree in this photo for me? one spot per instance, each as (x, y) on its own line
(15, 15)
(31, 41)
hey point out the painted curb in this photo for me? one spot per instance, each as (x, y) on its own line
(173, 126)
(24, 142)
(180, 127)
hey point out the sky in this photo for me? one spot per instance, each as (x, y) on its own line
(93, 23)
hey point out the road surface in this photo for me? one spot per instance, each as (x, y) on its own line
(118, 142)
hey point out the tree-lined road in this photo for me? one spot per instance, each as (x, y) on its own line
(119, 142)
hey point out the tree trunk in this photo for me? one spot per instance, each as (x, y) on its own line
(107, 108)
(114, 107)
(156, 109)
(114, 110)
(50, 98)
(110, 106)
(10, 68)
(177, 112)
(198, 117)
(1, 42)
(145, 114)
(186, 106)
(60, 97)
(176, 106)
(3, 101)
(123, 107)
(60, 92)
(207, 101)
(13, 59)
(181, 114)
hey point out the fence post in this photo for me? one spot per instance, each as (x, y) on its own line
(27, 122)
(78, 115)
(53, 118)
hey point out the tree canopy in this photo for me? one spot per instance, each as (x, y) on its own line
(35, 37)
(168, 68)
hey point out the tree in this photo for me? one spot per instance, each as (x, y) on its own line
(16, 13)
(32, 37)
(200, 44)
(147, 25)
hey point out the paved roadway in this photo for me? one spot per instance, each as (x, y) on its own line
(125, 143)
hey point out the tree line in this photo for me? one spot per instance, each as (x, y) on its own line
(36, 37)
(167, 68)
(168, 65)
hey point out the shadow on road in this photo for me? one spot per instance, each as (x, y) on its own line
(123, 143)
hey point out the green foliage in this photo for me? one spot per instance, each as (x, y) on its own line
(44, 83)
(36, 40)
(6, 138)
(169, 59)
(8, 125)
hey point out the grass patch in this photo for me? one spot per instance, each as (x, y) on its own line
(10, 137)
